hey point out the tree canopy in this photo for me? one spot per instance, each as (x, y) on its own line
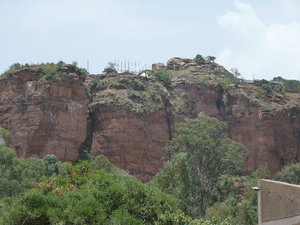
(200, 152)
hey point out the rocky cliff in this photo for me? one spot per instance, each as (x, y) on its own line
(58, 109)
(46, 114)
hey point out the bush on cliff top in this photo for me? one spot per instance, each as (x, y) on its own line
(163, 76)
(48, 71)
(290, 85)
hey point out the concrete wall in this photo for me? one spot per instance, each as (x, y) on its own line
(278, 203)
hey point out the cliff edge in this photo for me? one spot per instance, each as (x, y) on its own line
(59, 109)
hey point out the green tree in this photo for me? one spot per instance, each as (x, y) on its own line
(87, 196)
(290, 174)
(290, 85)
(17, 174)
(179, 218)
(101, 162)
(52, 165)
(210, 58)
(75, 63)
(199, 59)
(235, 72)
(163, 76)
(200, 152)
(7, 156)
(5, 136)
(111, 68)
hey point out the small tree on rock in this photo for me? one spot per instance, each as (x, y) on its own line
(199, 59)
(111, 68)
(211, 58)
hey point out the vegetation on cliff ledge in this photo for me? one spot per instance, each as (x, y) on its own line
(138, 94)
(48, 71)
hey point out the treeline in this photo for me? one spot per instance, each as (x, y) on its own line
(200, 184)
(290, 85)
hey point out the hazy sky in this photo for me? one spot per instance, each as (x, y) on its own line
(257, 37)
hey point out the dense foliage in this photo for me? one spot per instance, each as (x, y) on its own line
(163, 76)
(48, 71)
(199, 59)
(18, 175)
(86, 196)
(179, 218)
(290, 174)
(200, 152)
(111, 68)
(136, 93)
(268, 87)
(87, 193)
(290, 85)
(200, 178)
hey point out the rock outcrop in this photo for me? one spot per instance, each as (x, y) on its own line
(57, 109)
(44, 116)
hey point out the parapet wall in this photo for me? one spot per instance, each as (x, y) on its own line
(278, 203)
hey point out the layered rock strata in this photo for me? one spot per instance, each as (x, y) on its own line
(130, 118)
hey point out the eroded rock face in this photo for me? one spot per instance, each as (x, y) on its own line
(44, 117)
(130, 118)
(131, 141)
(271, 135)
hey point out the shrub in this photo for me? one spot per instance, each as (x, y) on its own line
(290, 85)
(290, 174)
(210, 58)
(231, 78)
(163, 76)
(15, 66)
(268, 87)
(217, 72)
(101, 162)
(224, 85)
(86, 196)
(5, 135)
(60, 64)
(111, 68)
(235, 72)
(199, 59)
(260, 93)
(75, 63)
(179, 218)
(204, 82)
(52, 165)
(49, 72)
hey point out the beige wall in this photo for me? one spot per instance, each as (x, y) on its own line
(278, 203)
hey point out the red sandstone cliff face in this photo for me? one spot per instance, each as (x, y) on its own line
(44, 117)
(271, 134)
(130, 119)
(129, 140)
(130, 123)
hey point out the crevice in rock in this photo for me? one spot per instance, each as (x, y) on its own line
(85, 148)
(169, 115)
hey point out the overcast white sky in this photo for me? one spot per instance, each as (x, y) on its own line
(260, 38)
